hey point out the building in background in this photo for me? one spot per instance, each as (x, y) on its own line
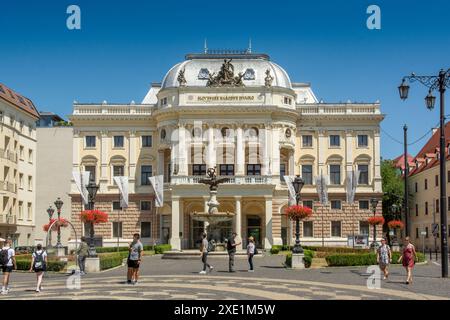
(248, 119)
(425, 192)
(54, 163)
(18, 117)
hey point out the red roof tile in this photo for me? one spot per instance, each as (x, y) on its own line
(19, 101)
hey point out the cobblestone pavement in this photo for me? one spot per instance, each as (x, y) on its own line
(179, 279)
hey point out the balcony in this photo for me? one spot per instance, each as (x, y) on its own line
(8, 186)
(7, 219)
(8, 155)
(339, 109)
(241, 180)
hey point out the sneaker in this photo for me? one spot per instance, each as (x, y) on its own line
(129, 282)
(135, 283)
(37, 290)
(4, 292)
(202, 272)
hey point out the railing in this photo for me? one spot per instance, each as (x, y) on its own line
(124, 109)
(8, 155)
(7, 219)
(8, 186)
(342, 108)
(232, 179)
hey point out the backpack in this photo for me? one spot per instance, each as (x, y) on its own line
(211, 246)
(39, 260)
(4, 257)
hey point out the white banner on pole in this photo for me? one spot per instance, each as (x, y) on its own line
(321, 187)
(351, 183)
(292, 197)
(158, 185)
(81, 179)
(122, 183)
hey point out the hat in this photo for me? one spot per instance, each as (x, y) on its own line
(251, 238)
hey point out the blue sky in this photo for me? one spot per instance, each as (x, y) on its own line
(124, 46)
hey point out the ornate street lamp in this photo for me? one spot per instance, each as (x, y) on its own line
(374, 204)
(58, 205)
(50, 212)
(438, 82)
(298, 184)
(92, 189)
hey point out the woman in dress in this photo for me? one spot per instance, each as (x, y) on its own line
(408, 258)
(384, 257)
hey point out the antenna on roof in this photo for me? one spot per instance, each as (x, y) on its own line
(249, 49)
(205, 47)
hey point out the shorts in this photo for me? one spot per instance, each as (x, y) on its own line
(7, 269)
(133, 264)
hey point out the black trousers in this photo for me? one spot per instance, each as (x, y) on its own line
(250, 260)
(205, 261)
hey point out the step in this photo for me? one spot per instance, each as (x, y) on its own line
(196, 254)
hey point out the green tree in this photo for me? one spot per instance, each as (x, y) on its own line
(393, 188)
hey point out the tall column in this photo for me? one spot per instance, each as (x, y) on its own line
(161, 221)
(182, 235)
(238, 220)
(275, 151)
(132, 148)
(211, 148)
(349, 150)
(321, 152)
(160, 162)
(377, 161)
(175, 240)
(291, 163)
(265, 151)
(104, 154)
(182, 151)
(240, 152)
(268, 240)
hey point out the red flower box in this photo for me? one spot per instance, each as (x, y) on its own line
(298, 212)
(94, 216)
(396, 224)
(59, 223)
(375, 221)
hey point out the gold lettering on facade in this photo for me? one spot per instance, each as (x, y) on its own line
(224, 98)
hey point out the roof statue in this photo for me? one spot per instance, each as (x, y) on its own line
(181, 79)
(268, 79)
(225, 77)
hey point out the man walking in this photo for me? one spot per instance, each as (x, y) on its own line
(231, 247)
(134, 259)
(83, 252)
(8, 262)
(204, 249)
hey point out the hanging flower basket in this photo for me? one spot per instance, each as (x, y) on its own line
(94, 216)
(298, 212)
(396, 224)
(375, 221)
(59, 223)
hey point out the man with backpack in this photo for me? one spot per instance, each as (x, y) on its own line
(205, 248)
(39, 265)
(231, 248)
(8, 263)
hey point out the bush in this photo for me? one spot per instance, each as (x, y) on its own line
(307, 259)
(364, 259)
(336, 249)
(161, 248)
(111, 260)
(110, 249)
(25, 264)
(275, 249)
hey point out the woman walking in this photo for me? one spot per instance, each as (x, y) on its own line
(384, 257)
(250, 253)
(408, 257)
(39, 265)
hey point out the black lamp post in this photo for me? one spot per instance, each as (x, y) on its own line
(58, 205)
(374, 204)
(395, 209)
(50, 212)
(92, 190)
(439, 83)
(298, 184)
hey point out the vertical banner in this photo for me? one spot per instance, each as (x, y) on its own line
(350, 185)
(292, 196)
(82, 180)
(158, 185)
(321, 187)
(122, 183)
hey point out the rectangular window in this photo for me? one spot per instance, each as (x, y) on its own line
(21, 210)
(118, 141)
(30, 156)
(417, 210)
(30, 183)
(335, 140)
(30, 211)
(364, 228)
(426, 184)
(146, 173)
(363, 140)
(308, 229)
(437, 205)
(253, 169)
(416, 186)
(147, 141)
(426, 232)
(118, 171)
(116, 205)
(90, 141)
(146, 205)
(426, 208)
(308, 203)
(363, 204)
(21, 180)
(199, 169)
(21, 152)
(117, 229)
(227, 169)
(336, 228)
(417, 233)
(307, 174)
(282, 171)
(363, 174)
(146, 229)
(307, 141)
(436, 180)
(91, 170)
(335, 174)
(336, 204)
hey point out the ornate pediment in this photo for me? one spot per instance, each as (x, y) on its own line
(225, 77)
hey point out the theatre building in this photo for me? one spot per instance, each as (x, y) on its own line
(240, 113)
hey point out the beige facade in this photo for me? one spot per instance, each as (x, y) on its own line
(17, 167)
(253, 133)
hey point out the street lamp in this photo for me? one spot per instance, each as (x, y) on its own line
(395, 209)
(298, 184)
(439, 83)
(58, 205)
(374, 204)
(50, 212)
(92, 189)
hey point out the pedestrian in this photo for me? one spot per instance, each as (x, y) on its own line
(408, 258)
(231, 248)
(136, 251)
(205, 248)
(8, 262)
(83, 253)
(39, 265)
(250, 253)
(384, 258)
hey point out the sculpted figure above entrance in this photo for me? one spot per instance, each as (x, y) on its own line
(225, 77)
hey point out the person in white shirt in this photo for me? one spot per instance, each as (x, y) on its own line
(204, 250)
(39, 265)
(250, 253)
(8, 262)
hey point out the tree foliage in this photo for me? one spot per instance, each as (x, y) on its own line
(393, 187)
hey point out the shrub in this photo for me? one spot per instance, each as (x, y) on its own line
(275, 249)
(363, 259)
(336, 249)
(161, 248)
(25, 264)
(111, 260)
(307, 259)
(110, 249)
